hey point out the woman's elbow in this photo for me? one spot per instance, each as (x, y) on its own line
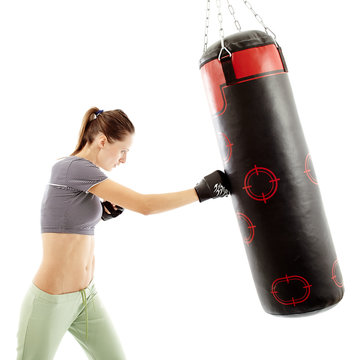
(145, 211)
(148, 205)
(144, 205)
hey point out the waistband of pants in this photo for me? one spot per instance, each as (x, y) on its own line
(58, 298)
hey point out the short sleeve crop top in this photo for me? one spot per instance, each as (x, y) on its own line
(67, 206)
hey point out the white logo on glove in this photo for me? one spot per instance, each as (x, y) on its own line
(220, 190)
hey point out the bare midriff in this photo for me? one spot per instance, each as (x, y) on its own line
(67, 264)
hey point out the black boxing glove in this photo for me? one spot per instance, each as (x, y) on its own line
(213, 186)
(113, 213)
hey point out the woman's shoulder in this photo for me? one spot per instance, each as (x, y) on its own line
(63, 164)
(76, 160)
(75, 166)
(71, 159)
(62, 161)
(76, 172)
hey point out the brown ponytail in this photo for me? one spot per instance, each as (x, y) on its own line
(114, 124)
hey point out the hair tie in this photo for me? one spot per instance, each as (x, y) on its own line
(99, 112)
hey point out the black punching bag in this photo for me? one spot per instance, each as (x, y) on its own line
(275, 193)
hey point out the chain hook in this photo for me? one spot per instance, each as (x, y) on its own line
(221, 32)
(220, 53)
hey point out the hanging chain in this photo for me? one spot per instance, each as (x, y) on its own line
(236, 22)
(220, 20)
(259, 19)
(207, 25)
(231, 10)
(221, 32)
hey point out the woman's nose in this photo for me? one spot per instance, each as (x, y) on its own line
(123, 159)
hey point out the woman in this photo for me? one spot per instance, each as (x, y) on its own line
(62, 295)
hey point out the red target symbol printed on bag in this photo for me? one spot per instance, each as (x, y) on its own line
(291, 290)
(336, 274)
(308, 171)
(251, 232)
(260, 184)
(228, 147)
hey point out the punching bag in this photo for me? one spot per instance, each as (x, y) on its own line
(275, 192)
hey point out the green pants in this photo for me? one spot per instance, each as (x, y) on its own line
(44, 319)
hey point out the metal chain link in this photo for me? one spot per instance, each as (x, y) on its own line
(231, 10)
(259, 19)
(236, 22)
(207, 25)
(220, 20)
(221, 31)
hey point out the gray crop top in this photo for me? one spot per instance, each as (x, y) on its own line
(67, 206)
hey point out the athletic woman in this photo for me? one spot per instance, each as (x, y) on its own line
(62, 295)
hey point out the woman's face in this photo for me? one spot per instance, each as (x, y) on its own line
(115, 153)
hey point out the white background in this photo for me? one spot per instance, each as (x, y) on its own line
(177, 284)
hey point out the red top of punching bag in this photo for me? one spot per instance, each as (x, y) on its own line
(254, 55)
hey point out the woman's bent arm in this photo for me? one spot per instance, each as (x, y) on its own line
(145, 204)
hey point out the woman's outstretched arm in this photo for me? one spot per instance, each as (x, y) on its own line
(211, 186)
(157, 203)
(145, 204)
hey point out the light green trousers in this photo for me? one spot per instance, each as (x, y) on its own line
(44, 319)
